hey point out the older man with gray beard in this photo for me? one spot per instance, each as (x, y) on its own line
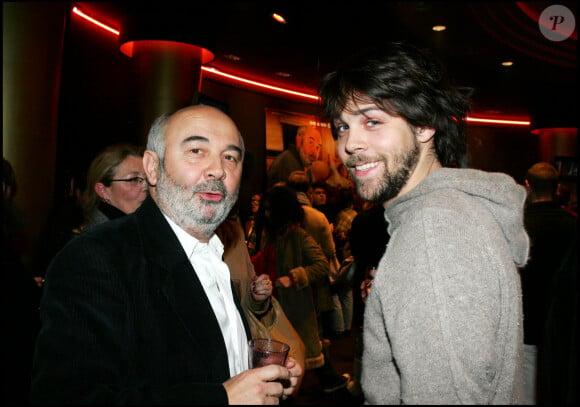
(141, 310)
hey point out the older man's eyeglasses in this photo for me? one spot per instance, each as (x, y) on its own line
(136, 181)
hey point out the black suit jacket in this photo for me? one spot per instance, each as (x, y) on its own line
(126, 320)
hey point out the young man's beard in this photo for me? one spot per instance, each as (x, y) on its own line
(190, 211)
(382, 189)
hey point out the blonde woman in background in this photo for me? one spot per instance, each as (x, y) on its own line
(116, 184)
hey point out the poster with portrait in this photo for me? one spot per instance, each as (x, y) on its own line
(281, 129)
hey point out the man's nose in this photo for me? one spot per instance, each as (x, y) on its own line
(354, 141)
(215, 170)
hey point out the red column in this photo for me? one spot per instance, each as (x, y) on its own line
(168, 48)
(169, 76)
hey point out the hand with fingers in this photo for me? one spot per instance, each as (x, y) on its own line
(261, 287)
(263, 385)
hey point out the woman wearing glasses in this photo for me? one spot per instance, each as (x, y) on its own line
(116, 184)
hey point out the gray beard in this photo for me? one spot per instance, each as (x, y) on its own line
(390, 184)
(189, 211)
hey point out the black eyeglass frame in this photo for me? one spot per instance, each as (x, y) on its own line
(133, 180)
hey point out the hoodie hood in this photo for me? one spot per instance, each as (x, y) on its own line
(497, 192)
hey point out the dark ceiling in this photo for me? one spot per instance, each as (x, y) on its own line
(319, 34)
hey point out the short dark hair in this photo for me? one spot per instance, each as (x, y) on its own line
(284, 209)
(407, 82)
(298, 181)
(543, 178)
(320, 185)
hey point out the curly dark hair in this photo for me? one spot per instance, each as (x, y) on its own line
(407, 82)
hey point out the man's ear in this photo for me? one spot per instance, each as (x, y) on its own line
(102, 191)
(424, 134)
(151, 166)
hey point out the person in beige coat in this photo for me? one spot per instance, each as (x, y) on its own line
(296, 263)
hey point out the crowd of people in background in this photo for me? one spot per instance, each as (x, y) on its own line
(399, 244)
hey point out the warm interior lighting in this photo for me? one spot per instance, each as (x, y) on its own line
(232, 57)
(555, 130)
(308, 96)
(279, 18)
(439, 28)
(92, 20)
(261, 85)
(507, 63)
(205, 55)
(498, 121)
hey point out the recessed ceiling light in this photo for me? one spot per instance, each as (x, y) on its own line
(232, 57)
(279, 18)
(507, 63)
(439, 28)
(284, 74)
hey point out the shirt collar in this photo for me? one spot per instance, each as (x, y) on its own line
(192, 245)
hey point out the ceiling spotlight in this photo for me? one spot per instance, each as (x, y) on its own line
(279, 18)
(232, 57)
(439, 28)
(284, 74)
(507, 63)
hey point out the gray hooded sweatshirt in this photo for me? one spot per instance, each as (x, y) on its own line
(443, 321)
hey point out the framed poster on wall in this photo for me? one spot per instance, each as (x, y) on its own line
(281, 129)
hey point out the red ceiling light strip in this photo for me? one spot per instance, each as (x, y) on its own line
(92, 20)
(260, 85)
(498, 121)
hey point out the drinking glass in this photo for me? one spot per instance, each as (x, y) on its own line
(265, 351)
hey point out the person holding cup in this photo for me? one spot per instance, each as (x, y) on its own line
(267, 351)
(141, 310)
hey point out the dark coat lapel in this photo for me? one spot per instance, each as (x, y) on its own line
(180, 284)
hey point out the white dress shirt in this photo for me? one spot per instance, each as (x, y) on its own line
(214, 274)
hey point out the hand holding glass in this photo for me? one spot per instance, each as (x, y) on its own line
(265, 351)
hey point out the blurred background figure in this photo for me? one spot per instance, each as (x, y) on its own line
(296, 264)
(343, 222)
(565, 196)
(552, 230)
(266, 318)
(338, 180)
(20, 298)
(13, 222)
(367, 241)
(298, 157)
(341, 236)
(317, 226)
(113, 186)
(248, 219)
(64, 222)
(319, 200)
(116, 184)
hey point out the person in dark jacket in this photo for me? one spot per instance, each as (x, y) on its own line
(141, 310)
(552, 230)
